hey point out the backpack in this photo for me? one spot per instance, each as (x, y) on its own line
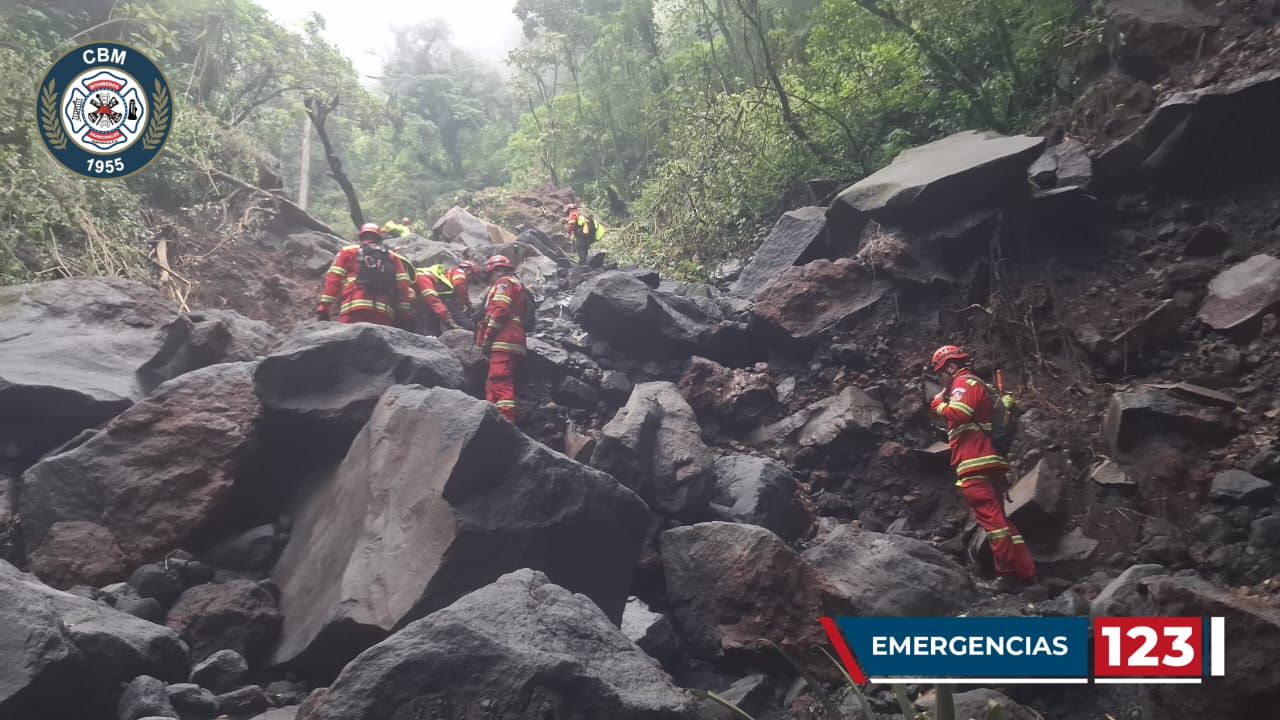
(376, 271)
(1004, 425)
(529, 313)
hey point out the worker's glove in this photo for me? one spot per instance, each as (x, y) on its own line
(487, 347)
(322, 313)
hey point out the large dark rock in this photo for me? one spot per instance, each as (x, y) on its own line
(11, 545)
(77, 552)
(804, 302)
(1133, 414)
(761, 492)
(736, 397)
(1151, 36)
(654, 446)
(945, 177)
(155, 477)
(890, 574)
(239, 615)
(192, 701)
(1241, 293)
(200, 339)
(1251, 687)
(325, 379)
(851, 414)
(66, 656)
(520, 648)
(1066, 164)
(798, 237)
(403, 528)
(1200, 138)
(425, 253)
(69, 354)
(458, 226)
(731, 584)
(645, 322)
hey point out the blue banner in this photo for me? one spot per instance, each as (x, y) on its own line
(969, 647)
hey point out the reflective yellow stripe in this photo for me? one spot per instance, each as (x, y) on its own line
(957, 404)
(367, 304)
(327, 298)
(430, 292)
(505, 403)
(997, 534)
(338, 270)
(981, 462)
(402, 276)
(509, 347)
(1017, 540)
(501, 299)
(953, 432)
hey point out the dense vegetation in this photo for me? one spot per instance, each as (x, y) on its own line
(690, 124)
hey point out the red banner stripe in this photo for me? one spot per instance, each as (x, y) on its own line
(842, 650)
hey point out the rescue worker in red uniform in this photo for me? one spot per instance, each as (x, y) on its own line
(434, 289)
(980, 470)
(460, 278)
(378, 294)
(500, 334)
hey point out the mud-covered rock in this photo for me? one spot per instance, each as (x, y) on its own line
(735, 397)
(1238, 486)
(644, 322)
(803, 302)
(1125, 595)
(731, 584)
(851, 414)
(223, 671)
(1035, 501)
(239, 615)
(145, 697)
(1154, 35)
(154, 477)
(522, 646)
(1134, 414)
(404, 528)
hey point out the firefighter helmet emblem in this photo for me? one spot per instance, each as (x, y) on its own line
(104, 110)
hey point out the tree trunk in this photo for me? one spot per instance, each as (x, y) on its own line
(304, 165)
(318, 111)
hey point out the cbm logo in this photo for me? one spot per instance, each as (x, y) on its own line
(104, 110)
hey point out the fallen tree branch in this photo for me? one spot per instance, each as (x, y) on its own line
(288, 210)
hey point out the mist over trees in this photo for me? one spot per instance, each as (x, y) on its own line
(688, 124)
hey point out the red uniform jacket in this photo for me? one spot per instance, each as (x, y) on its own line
(429, 289)
(458, 278)
(354, 305)
(966, 407)
(501, 324)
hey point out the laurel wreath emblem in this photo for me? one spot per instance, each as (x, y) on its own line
(50, 120)
(159, 121)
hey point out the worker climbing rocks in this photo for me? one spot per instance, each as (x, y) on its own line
(369, 283)
(436, 293)
(500, 333)
(584, 230)
(460, 277)
(980, 469)
(396, 229)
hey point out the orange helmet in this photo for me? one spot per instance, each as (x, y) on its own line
(946, 354)
(470, 267)
(498, 261)
(370, 229)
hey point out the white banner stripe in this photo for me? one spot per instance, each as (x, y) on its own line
(1217, 646)
(979, 681)
(1147, 681)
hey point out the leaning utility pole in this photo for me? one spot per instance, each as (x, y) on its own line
(304, 166)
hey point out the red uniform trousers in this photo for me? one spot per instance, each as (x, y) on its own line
(365, 315)
(1007, 548)
(500, 386)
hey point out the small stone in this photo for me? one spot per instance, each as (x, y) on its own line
(221, 672)
(245, 702)
(157, 581)
(1265, 532)
(1206, 239)
(1238, 486)
(192, 701)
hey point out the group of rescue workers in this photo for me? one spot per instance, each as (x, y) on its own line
(370, 283)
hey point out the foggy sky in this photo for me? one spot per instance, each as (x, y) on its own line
(485, 28)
